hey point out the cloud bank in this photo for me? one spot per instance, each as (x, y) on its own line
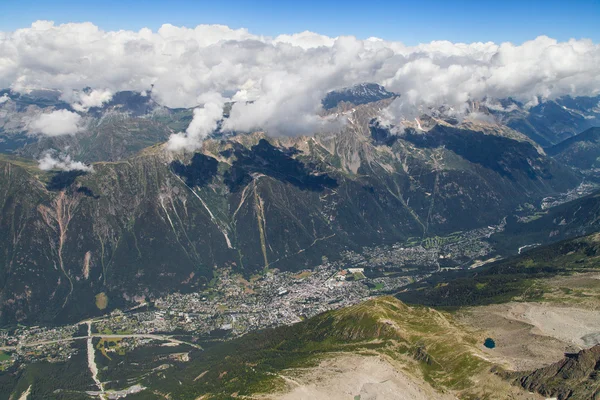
(278, 82)
(56, 123)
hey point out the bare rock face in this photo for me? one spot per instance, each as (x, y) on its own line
(358, 94)
(576, 377)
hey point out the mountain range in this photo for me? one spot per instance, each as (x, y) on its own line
(248, 201)
(119, 222)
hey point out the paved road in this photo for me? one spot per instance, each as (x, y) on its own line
(100, 335)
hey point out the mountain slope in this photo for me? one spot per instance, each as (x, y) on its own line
(576, 377)
(84, 237)
(574, 218)
(553, 121)
(114, 131)
(581, 151)
(520, 277)
(427, 346)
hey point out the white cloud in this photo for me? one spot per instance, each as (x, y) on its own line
(84, 100)
(56, 123)
(4, 98)
(285, 77)
(204, 122)
(306, 40)
(62, 162)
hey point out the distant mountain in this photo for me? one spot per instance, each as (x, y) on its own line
(552, 121)
(132, 103)
(362, 93)
(581, 151)
(115, 136)
(118, 129)
(131, 120)
(40, 98)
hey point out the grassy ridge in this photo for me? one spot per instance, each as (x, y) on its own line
(427, 342)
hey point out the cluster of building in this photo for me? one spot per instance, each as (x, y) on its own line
(421, 256)
(234, 305)
(582, 190)
(29, 344)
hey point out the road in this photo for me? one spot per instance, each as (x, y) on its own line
(100, 335)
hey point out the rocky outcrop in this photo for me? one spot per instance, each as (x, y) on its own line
(576, 377)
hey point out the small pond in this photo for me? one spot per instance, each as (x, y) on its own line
(489, 343)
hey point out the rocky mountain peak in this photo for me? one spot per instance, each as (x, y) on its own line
(362, 93)
(573, 377)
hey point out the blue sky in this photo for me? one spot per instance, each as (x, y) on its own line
(408, 21)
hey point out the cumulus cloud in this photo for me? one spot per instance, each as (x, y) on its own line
(85, 99)
(56, 123)
(61, 162)
(277, 83)
(4, 98)
(204, 122)
(306, 40)
(451, 74)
